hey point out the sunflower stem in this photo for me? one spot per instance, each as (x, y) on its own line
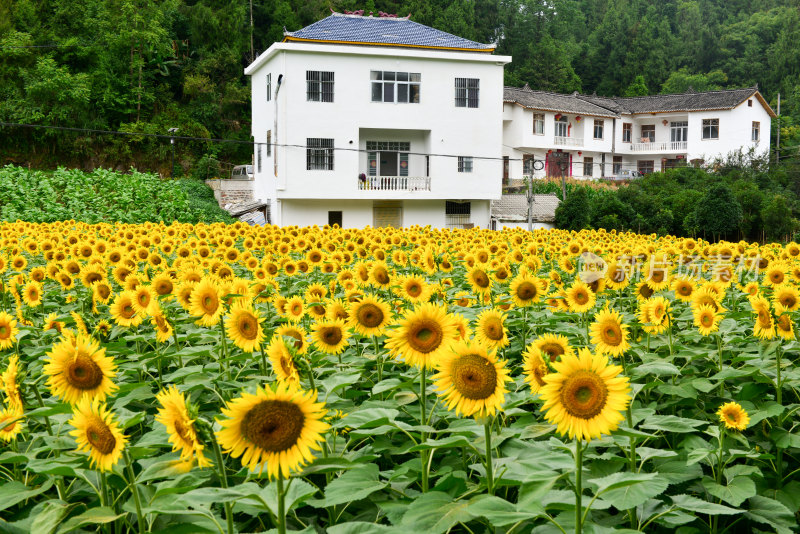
(134, 491)
(263, 360)
(719, 355)
(281, 507)
(423, 401)
(225, 362)
(578, 486)
(223, 478)
(669, 334)
(489, 468)
(41, 405)
(779, 398)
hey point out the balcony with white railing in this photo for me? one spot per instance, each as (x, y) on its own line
(664, 146)
(567, 141)
(394, 183)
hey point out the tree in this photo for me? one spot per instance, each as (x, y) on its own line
(777, 217)
(637, 88)
(718, 213)
(682, 80)
(575, 212)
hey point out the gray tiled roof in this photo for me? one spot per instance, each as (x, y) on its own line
(614, 106)
(571, 103)
(515, 208)
(391, 31)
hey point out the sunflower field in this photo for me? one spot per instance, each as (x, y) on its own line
(226, 378)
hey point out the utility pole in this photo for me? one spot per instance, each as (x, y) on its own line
(778, 140)
(252, 50)
(172, 144)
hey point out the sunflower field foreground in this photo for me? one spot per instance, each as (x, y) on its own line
(227, 378)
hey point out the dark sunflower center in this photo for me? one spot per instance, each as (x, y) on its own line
(618, 275)
(369, 315)
(493, 329)
(612, 334)
(144, 299)
(594, 285)
(210, 304)
(657, 276)
(93, 277)
(414, 289)
(584, 394)
(273, 425)
(183, 431)
(381, 276)
(554, 350)
(294, 334)
(784, 323)
(480, 279)
(127, 311)
(581, 297)
(706, 320)
(297, 309)
(474, 377)
(164, 287)
(526, 290)
(538, 374)
(331, 335)
(4, 331)
(318, 309)
(100, 437)
(788, 300)
(248, 327)
(425, 336)
(646, 291)
(84, 373)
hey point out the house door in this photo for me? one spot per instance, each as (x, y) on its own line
(387, 216)
(388, 164)
(558, 165)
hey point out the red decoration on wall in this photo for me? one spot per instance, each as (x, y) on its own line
(558, 116)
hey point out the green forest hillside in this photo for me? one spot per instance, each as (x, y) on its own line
(144, 66)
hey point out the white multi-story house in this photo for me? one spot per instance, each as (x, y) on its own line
(586, 136)
(364, 120)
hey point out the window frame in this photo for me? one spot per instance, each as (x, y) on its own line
(560, 124)
(616, 165)
(588, 164)
(627, 128)
(319, 156)
(710, 124)
(650, 128)
(538, 120)
(318, 88)
(642, 166)
(378, 79)
(755, 132)
(269, 87)
(467, 92)
(465, 164)
(598, 123)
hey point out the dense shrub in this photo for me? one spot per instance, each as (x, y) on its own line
(103, 195)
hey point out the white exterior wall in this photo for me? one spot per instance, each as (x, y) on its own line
(524, 225)
(359, 213)
(435, 125)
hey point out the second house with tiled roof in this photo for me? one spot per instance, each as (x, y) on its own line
(586, 136)
(377, 120)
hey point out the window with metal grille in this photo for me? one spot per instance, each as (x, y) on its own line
(645, 166)
(402, 87)
(710, 128)
(457, 214)
(538, 123)
(319, 154)
(269, 87)
(319, 86)
(464, 163)
(467, 92)
(598, 128)
(588, 163)
(562, 127)
(269, 143)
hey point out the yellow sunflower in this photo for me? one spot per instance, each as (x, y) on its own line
(8, 384)
(8, 331)
(330, 336)
(733, 416)
(471, 379)
(162, 327)
(534, 367)
(706, 319)
(784, 325)
(479, 279)
(683, 288)
(654, 315)
(205, 302)
(585, 396)
(580, 297)
(243, 326)
(11, 423)
(764, 327)
(422, 335)
(282, 362)
(77, 367)
(297, 333)
(279, 428)
(491, 330)
(787, 295)
(413, 288)
(97, 433)
(526, 289)
(369, 316)
(144, 301)
(122, 310)
(554, 346)
(295, 309)
(174, 415)
(609, 334)
(32, 293)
